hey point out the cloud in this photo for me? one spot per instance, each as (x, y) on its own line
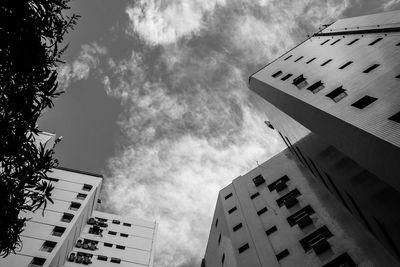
(80, 68)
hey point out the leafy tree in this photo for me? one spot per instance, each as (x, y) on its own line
(31, 32)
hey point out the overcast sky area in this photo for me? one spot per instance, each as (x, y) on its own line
(156, 99)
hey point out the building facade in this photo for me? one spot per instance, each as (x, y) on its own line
(334, 101)
(279, 215)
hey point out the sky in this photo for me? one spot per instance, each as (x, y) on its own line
(156, 99)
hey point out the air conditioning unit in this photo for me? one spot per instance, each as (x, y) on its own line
(280, 186)
(304, 221)
(71, 257)
(91, 221)
(320, 246)
(78, 243)
(290, 202)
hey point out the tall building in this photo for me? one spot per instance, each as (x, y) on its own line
(279, 215)
(72, 233)
(335, 101)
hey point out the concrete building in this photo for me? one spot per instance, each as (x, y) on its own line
(72, 233)
(335, 101)
(279, 215)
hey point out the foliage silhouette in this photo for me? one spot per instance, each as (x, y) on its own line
(31, 32)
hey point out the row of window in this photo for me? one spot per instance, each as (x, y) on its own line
(352, 42)
(85, 187)
(114, 221)
(115, 233)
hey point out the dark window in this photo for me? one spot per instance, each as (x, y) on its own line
(364, 101)
(87, 187)
(311, 60)
(316, 87)
(108, 245)
(301, 217)
(259, 180)
(398, 76)
(398, 44)
(317, 240)
(223, 258)
(395, 117)
(325, 42)
(102, 258)
(52, 179)
(345, 65)
(243, 248)
(81, 196)
(253, 196)
(120, 247)
(101, 219)
(67, 217)
(377, 40)
(277, 74)
(288, 57)
(261, 211)
(232, 210)
(371, 68)
(278, 184)
(127, 224)
(300, 82)
(388, 237)
(288, 198)
(271, 230)
(352, 42)
(298, 59)
(287, 76)
(343, 260)
(48, 246)
(123, 235)
(115, 260)
(282, 254)
(228, 196)
(37, 262)
(337, 94)
(335, 41)
(74, 206)
(112, 233)
(216, 222)
(237, 227)
(219, 239)
(58, 230)
(326, 62)
(116, 222)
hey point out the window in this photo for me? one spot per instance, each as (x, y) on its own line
(52, 179)
(67, 217)
(115, 260)
(48, 246)
(342, 260)
(87, 187)
(81, 196)
(398, 76)
(253, 196)
(316, 87)
(325, 42)
(219, 239)
(301, 217)
(108, 245)
(337, 94)
(123, 235)
(277, 74)
(112, 233)
(232, 210)
(116, 222)
(261, 211)
(216, 223)
(243, 248)
(352, 42)
(288, 198)
(271, 230)
(36, 262)
(395, 117)
(278, 185)
(286, 77)
(374, 42)
(282, 254)
(120, 247)
(316, 240)
(101, 219)
(228, 196)
(364, 101)
(127, 224)
(398, 44)
(326, 62)
(300, 82)
(223, 258)
(58, 230)
(335, 41)
(102, 258)
(259, 180)
(288, 57)
(74, 206)
(298, 59)
(371, 68)
(237, 227)
(311, 60)
(345, 65)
